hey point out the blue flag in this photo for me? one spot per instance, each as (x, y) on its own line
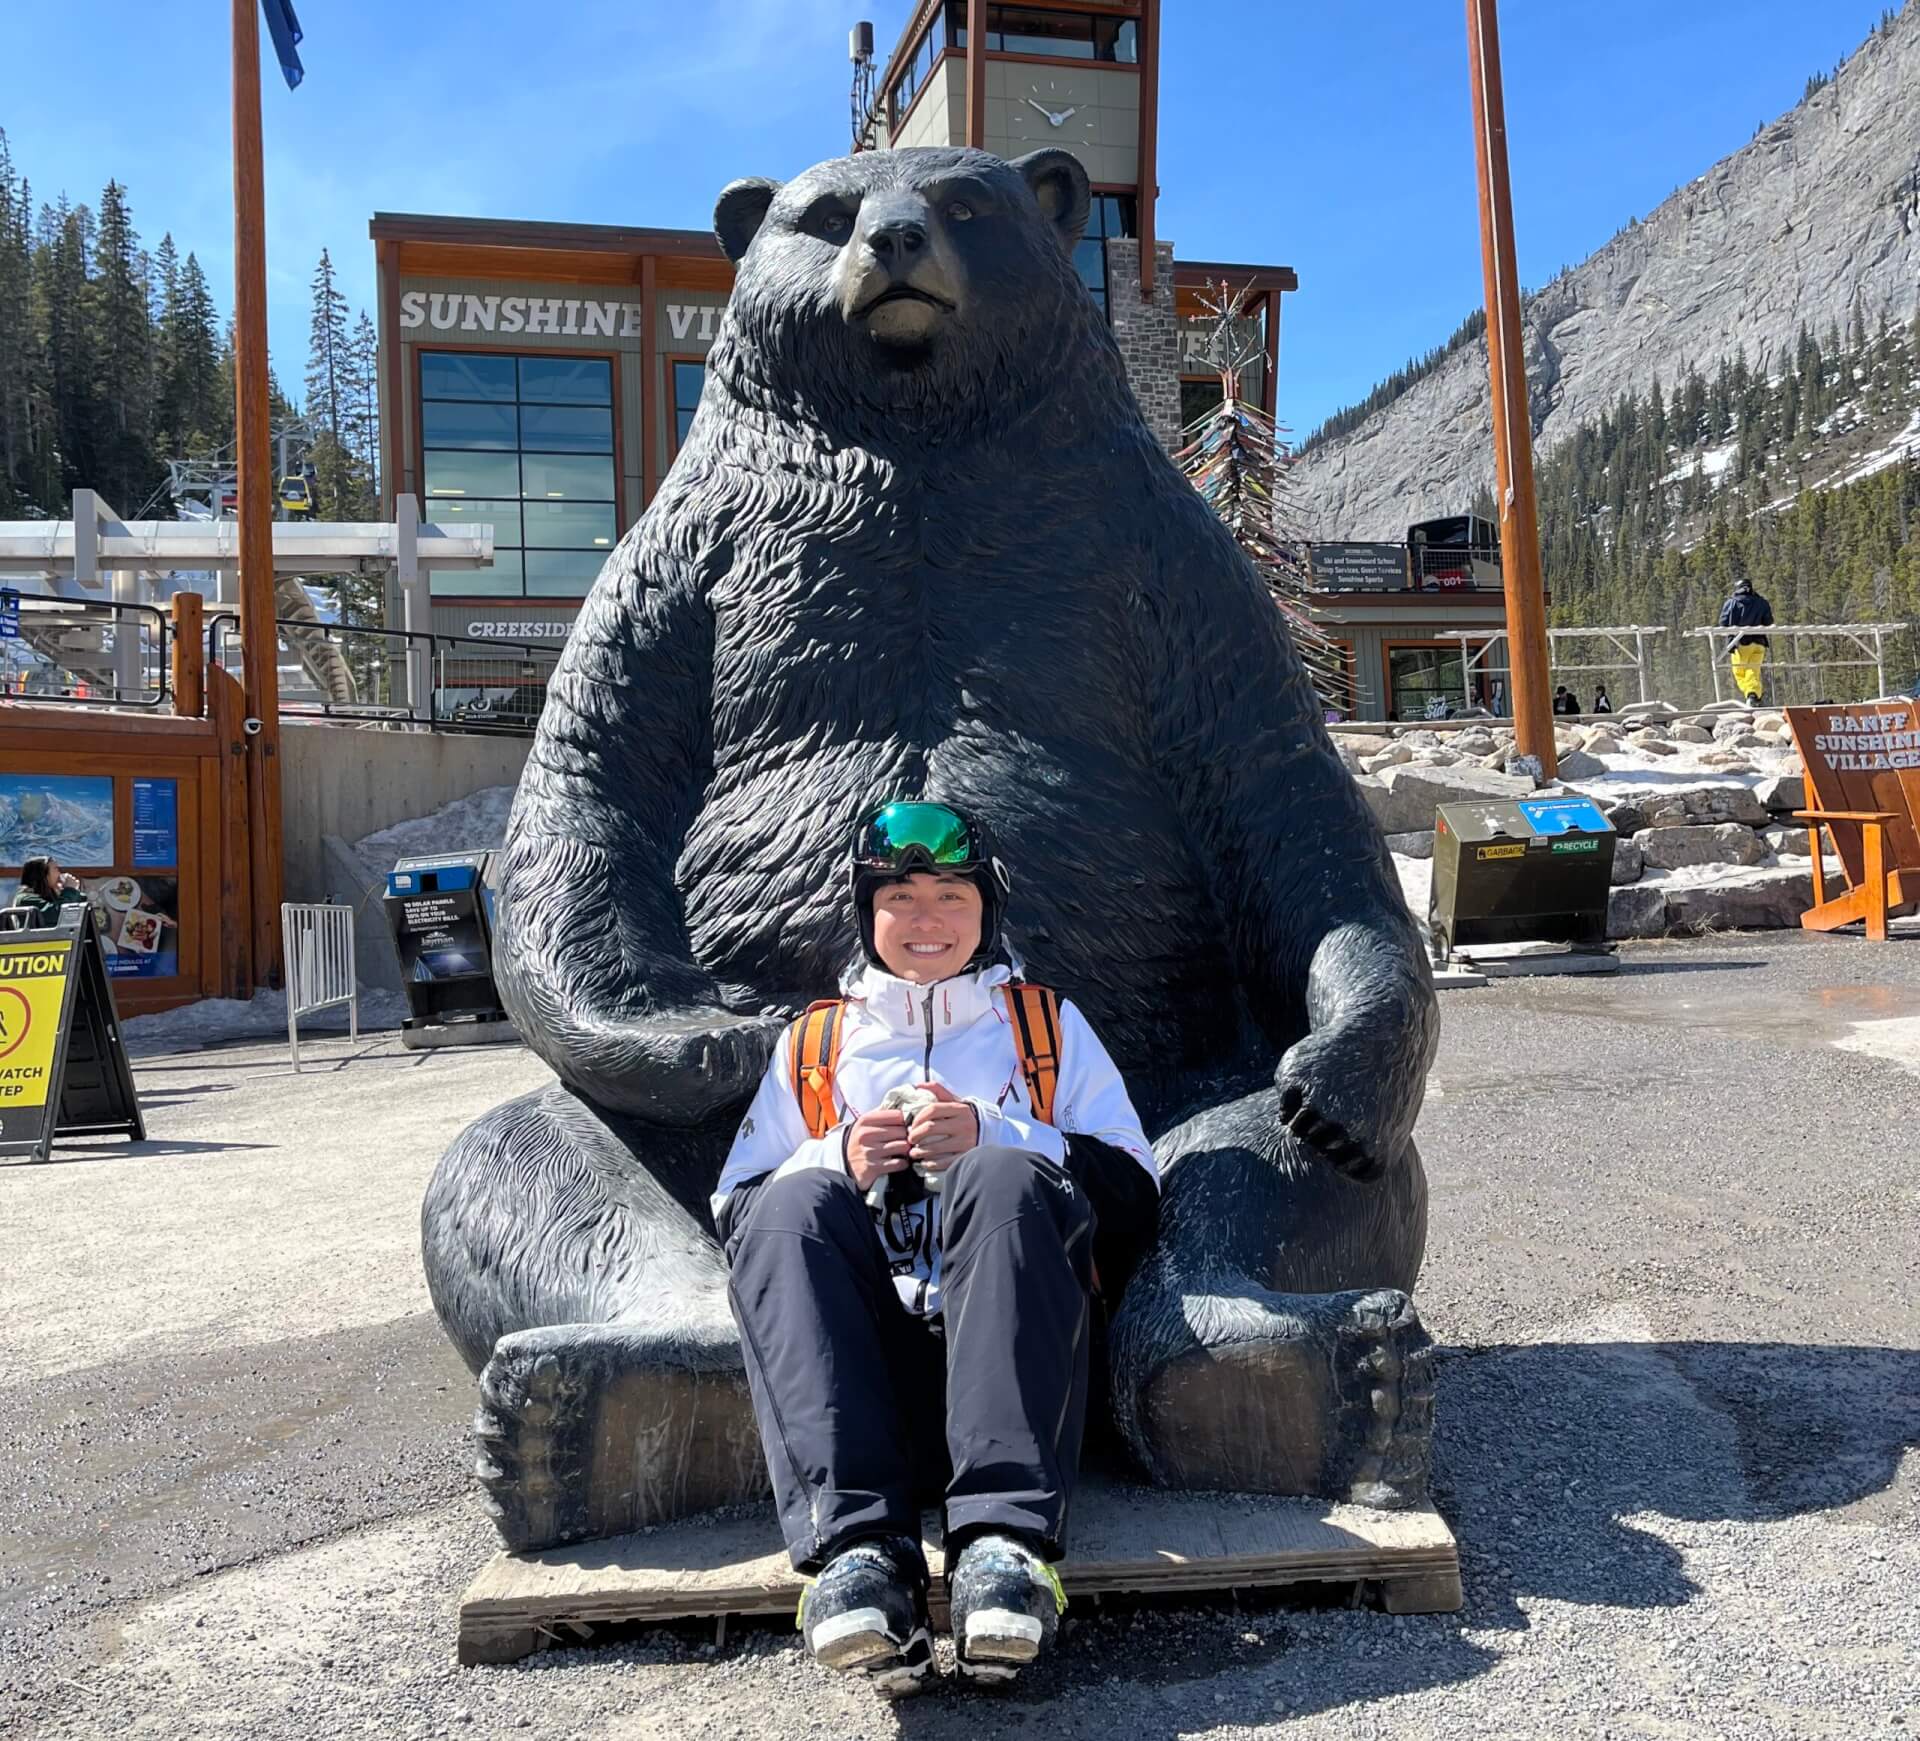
(284, 28)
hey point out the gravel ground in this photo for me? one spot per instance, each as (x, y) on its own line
(1672, 1269)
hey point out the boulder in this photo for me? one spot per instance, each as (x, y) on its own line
(1718, 802)
(1637, 910)
(1626, 818)
(1601, 743)
(1767, 900)
(1579, 765)
(1727, 761)
(1496, 761)
(1785, 792)
(1418, 844)
(1691, 734)
(1403, 798)
(1392, 757)
(1646, 744)
(1751, 740)
(1786, 842)
(1473, 743)
(1658, 728)
(1721, 843)
(1628, 862)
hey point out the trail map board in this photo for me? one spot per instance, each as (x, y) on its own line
(63, 1066)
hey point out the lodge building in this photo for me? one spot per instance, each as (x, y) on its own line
(540, 377)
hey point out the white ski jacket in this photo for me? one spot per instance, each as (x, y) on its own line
(960, 1034)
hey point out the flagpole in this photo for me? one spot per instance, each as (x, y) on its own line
(259, 638)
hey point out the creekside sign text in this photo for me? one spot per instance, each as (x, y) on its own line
(561, 316)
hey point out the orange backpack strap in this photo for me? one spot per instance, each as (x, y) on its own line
(816, 1050)
(1036, 1034)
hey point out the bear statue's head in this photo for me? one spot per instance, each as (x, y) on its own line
(925, 284)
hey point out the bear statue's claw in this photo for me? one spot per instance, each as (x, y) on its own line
(597, 1429)
(1241, 1389)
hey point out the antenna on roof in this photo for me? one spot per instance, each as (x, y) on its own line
(860, 52)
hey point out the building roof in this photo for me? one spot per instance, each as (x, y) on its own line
(526, 233)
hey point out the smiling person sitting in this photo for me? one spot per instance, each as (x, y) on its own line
(910, 1214)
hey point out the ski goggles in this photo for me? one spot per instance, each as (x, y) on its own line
(904, 836)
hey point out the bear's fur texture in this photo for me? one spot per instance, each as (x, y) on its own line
(920, 543)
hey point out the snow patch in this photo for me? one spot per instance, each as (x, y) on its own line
(475, 823)
(215, 1021)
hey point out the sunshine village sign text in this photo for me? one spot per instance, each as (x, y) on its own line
(1861, 743)
(562, 316)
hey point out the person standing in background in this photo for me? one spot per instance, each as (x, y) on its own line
(1747, 609)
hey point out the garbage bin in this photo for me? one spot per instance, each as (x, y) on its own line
(1533, 871)
(440, 910)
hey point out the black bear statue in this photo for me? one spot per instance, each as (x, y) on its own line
(920, 543)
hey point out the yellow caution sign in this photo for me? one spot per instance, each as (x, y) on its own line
(1519, 851)
(63, 1068)
(33, 989)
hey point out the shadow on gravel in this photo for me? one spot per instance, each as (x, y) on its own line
(1547, 1453)
(151, 1150)
(1555, 1464)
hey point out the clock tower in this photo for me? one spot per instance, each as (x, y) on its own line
(1084, 76)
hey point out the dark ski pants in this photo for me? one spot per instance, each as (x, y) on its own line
(855, 1395)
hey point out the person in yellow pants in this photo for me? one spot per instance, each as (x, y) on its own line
(1746, 609)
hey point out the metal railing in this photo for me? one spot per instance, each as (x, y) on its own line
(318, 940)
(86, 652)
(438, 681)
(1453, 568)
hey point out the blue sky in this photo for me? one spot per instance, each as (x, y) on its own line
(1332, 137)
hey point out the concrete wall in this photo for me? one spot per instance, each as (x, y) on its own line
(341, 781)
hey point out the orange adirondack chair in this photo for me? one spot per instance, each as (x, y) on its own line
(1863, 780)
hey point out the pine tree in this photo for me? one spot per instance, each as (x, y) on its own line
(1236, 457)
(330, 398)
(193, 358)
(366, 414)
(18, 357)
(63, 335)
(122, 359)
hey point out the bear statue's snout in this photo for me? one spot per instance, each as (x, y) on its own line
(901, 276)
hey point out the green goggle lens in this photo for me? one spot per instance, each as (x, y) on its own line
(901, 830)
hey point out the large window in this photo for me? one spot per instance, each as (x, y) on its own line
(1027, 30)
(689, 379)
(1058, 35)
(1111, 214)
(524, 444)
(1422, 682)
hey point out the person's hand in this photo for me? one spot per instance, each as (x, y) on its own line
(943, 1132)
(68, 880)
(876, 1144)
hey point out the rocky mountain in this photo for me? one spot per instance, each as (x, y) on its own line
(1814, 223)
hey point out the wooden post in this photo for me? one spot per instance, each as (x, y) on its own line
(259, 639)
(976, 132)
(189, 656)
(1512, 421)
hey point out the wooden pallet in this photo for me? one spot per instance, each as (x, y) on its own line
(1126, 1540)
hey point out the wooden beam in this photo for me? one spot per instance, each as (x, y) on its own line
(189, 656)
(1512, 419)
(656, 384)
(259, 638)
(1148, 156)
(977, 73)
(394, 422)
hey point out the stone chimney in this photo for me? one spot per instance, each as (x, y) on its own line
(1147, 332)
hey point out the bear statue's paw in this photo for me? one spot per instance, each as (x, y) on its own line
(1237, 1388)
(596, 1429)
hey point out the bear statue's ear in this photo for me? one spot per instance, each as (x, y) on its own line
(738, 212)
(1059, 183)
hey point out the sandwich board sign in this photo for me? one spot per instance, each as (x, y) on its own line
(63, 1066)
